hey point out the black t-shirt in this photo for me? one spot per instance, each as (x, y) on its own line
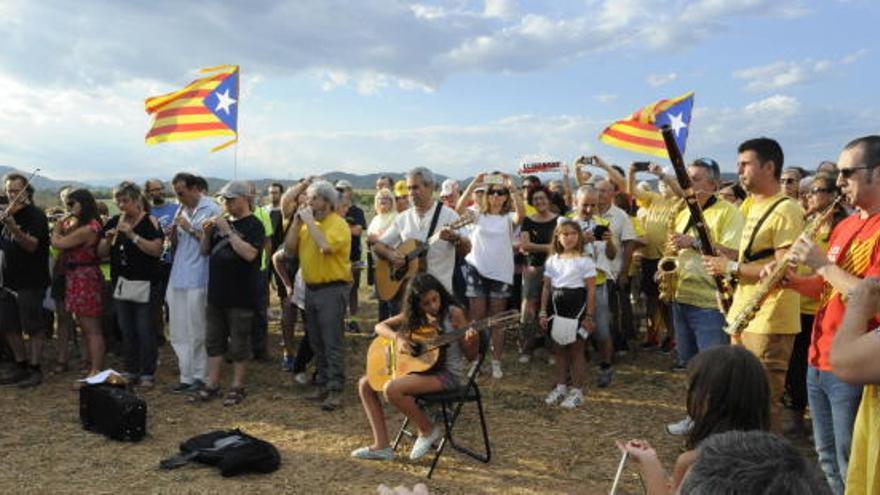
(232, 281)
(126, 259)
(277, 228)
(539, 233)
(24, 270)
(355, 216)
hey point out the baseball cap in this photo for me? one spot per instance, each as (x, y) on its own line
(448, 187)
(400, 189)
(235, 189)
(344, 184)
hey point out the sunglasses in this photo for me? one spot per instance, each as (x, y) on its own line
(498, 192)
(846, 173)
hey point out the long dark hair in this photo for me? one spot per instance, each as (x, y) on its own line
(420, 285)
(88, 207)
(727, 390)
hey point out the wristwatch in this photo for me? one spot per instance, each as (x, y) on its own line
(733, 267)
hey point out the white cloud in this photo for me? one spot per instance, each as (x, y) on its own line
(656, 80)
(499, 8)
(425, 42)
(781, 74)
(776, 105)
(855, 56)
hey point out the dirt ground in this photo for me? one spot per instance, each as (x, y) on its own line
(535, 448)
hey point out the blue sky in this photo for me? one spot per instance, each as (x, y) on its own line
(458, 86)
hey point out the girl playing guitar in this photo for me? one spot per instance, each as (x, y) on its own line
(426, 303)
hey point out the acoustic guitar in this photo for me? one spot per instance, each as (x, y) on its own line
(389, 279)
(386, 362)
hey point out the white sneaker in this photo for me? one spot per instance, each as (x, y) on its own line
(680, 428)
(496, 370)
(301, 378)
(524, 358)
(423, 444)
(556, 395)
(574, 398)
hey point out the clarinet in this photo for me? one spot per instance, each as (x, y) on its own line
(724, 293)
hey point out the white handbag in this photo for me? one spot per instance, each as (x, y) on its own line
(132, 290)
(564, 330)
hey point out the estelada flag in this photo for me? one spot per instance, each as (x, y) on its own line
(206, 107)
(641, 131)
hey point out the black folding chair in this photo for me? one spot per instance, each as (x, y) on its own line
(451, 402)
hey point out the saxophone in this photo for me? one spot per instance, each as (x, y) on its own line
(767, 284)
(667, 267)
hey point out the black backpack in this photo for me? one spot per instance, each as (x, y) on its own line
(233, 451)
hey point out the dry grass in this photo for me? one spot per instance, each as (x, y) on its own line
(536, 449)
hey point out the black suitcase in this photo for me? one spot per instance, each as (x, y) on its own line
(113, 411)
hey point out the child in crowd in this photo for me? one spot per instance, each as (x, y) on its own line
(426, 303)
(570, 284)
(727, 390)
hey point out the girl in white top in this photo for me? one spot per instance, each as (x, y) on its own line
(570, 279)
(490, 261)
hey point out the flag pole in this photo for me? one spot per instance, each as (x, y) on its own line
(237, 114)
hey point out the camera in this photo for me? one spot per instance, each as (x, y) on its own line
(641, 166)
(599, 231)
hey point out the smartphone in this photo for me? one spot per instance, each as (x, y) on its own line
(641, 166)
(599, 231)
(494, 179)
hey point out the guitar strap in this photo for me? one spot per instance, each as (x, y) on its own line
(748, 255)
(434, 219)
(423, 257)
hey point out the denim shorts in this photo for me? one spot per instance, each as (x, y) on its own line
(479, 286)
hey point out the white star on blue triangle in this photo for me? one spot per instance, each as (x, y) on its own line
(678, 117)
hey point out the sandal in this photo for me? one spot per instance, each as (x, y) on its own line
(234, 396)
(205, 395)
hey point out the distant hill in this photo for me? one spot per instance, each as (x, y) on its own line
(42, 183)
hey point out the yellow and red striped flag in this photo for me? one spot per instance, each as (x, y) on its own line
(206, 107)
(641, 131)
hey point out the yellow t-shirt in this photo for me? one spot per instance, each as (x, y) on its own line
(655, 221)
(529, 209)
(319, 268)
(725, 224)
(780, 311)
(863, 473)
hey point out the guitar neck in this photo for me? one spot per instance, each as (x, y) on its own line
(486, 323)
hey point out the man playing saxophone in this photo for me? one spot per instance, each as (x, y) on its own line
(698, 321)
(853, 254)
(772, 224)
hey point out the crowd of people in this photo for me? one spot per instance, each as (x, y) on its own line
(596, 264)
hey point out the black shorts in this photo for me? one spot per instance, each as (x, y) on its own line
(23, 312)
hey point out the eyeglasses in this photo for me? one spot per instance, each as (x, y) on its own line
(498, 192)
(817, 190)
(846, 173)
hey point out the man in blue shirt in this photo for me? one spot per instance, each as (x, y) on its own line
(188, 283)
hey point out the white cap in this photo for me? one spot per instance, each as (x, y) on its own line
(448, 187)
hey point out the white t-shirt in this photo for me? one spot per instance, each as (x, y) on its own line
(492, 246)
(568, 273)
(410, 225)
(621, 231)
(594, 250)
